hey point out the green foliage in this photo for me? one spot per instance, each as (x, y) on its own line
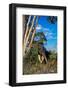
(41, 41)
(41, 37)
(32, 56)
(39, 34)
(53, 56)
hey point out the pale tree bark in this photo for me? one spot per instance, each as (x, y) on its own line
(32, 39)
(26, 32)
(26, 40)
(33, 34)
(27, 28)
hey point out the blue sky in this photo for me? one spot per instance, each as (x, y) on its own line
(50, 31)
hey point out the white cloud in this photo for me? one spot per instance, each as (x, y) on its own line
(51, 37)
(45, 29)
(47, 33)
(50, 33)
(39, 27)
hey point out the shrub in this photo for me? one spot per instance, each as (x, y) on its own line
(53, 56)
(32, 56)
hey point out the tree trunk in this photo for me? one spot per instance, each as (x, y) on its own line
(26, 41)
(33, 34)
(30, 44)
(27, 28)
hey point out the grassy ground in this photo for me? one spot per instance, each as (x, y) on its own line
(38, 68)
